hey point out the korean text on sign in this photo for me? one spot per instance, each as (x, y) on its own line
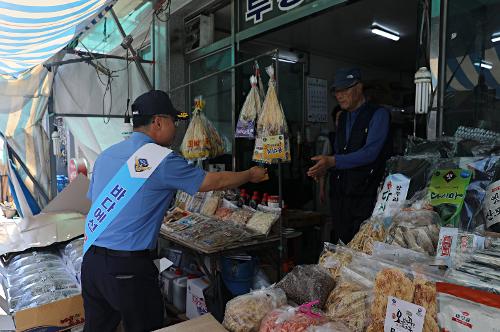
(255, 9)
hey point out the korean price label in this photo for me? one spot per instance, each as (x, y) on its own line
(274, 147)
(402, 316)
(492, 204)
(448, 238)
(392, 195)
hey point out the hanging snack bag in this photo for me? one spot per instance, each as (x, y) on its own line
(272, 142)
(201, 139)
(245, 127)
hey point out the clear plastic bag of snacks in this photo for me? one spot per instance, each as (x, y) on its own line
(245, 313)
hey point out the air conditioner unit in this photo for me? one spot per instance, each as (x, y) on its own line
(199, 32)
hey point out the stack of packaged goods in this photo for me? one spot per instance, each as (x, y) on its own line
(216, 219)
(36, 278)
(426, 260)
(72, 254)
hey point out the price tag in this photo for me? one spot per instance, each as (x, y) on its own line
(447, 245)
(393, 194)
(403, 316)
(492, 204)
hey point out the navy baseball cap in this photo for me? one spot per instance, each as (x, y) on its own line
(346, 78)
(155, 102)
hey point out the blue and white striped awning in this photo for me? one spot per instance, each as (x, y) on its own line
(466, 70)
(32, 31)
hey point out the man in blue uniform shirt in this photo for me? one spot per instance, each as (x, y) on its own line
(119, 279)
(362, 146)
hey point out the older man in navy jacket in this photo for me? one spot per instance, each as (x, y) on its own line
(362, 146)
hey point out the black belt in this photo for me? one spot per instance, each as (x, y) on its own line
(121, 253)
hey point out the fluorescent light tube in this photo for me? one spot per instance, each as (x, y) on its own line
(285, 60)
(378, 30)
(495, 37)
(484, 64)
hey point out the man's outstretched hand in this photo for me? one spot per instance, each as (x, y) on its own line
(323, 163)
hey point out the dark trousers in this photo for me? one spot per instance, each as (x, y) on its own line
(118, 289)
(348, 213)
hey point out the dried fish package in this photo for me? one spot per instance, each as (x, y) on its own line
(334, 257)
(416, 230)
(32, 259)
(370, 231)
(211, 203)
(349, 300)
(32, 268)
(52, 285)
(35, 277)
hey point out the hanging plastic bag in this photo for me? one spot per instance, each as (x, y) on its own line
(245, 128)
(201, 139)
(272, 141)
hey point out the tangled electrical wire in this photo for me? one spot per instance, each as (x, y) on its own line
(163, 8)
(162, 12)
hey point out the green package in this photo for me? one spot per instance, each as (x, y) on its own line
(447, 194)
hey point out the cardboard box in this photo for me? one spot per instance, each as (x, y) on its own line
(57, 315)
(61, 220)
(204, 323)
(196, 305)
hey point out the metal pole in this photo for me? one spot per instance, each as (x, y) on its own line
(222, 71)
(442, 64)
(127, 43)
(283, 239)
(14, 155)
(233, 79)
(53, 160)
(153, 48)
(69, 115)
